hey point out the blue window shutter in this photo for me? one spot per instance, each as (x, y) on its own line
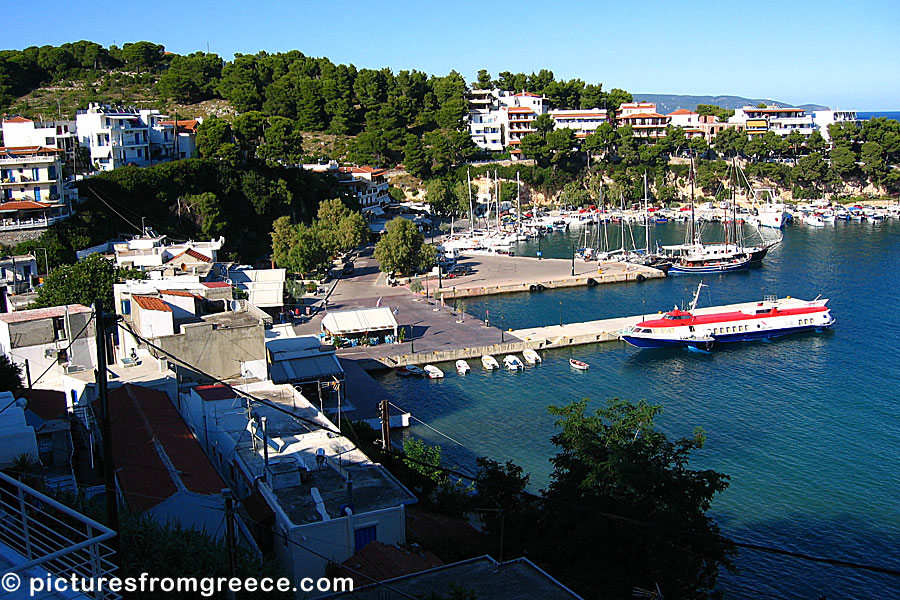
(363, 536)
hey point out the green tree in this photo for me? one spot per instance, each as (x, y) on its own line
(484, 80)
(216, 140)
(439, 195)
(615, 462)
(402, 248)
(544, 124)
(534, 146)
(282, 143)
(10, 375)
(83, 283)
(872, 157)
(843, 161)
(142, 55)
(341, 229)
(192, 78)
(308, 253)
(284, 237)
(810, 170)
(266, 196)
(414, 157)
(249, 129)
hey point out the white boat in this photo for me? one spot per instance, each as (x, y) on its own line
(577, 364)
(530, 356)
(433, 372)
(770, 210)
(513, 363)
(462, 367)
(414, 370)
(814, 220)
(489, 362)
(761, 320)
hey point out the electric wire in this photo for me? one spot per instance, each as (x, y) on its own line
(66, 350)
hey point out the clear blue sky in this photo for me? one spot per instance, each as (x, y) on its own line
(841, 54)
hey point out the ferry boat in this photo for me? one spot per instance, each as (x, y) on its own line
(767, 319)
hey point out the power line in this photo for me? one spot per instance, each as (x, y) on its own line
(75, 339)
(610, 516)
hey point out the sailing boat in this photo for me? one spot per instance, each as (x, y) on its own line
(695, 257)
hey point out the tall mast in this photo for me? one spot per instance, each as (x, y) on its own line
(497, 184)
(471, 208)
(646, 214)
(691, 229)
(518, 204)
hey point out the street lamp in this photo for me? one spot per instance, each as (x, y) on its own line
(540, 254)
(573, 260)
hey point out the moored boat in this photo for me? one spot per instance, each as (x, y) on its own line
(767, 319)
(705, 265)
(462, 367)
(433, 372)
(414, 370)
(577, 364)
(513, 363)
(489, 362)
(531, 356)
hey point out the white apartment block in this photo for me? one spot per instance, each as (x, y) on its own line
(368, 184)
(584, 122)
(779, 120)
(22, 132)
(498, 118)
(824, 118)
(31, 173)
(645, 122)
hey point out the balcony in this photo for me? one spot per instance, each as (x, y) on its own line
(23, 224)
(38, 535)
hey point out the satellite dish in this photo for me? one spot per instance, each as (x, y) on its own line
(235, 305)
(228, 281)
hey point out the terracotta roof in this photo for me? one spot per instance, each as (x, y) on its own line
(193, 254)
(644, 116)
(216, 284)
(18, 120)
(151, 303)
(184, 126)
(379, 562)
(36, 314)
(520, 109)
(529, 94)
(22, 205)
(214, 392)
(21, 150)
(683, 111)
(181, 293)
(47, 404)
(147, 432)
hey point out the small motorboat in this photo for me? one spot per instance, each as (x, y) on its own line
(414, 370)
(489, 362)
(433, 372)
(513, 363)
(462, 367)
(577, 364)
(531, 356)
(402, 372)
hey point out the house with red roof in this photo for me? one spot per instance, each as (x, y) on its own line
(161, 470)
(31, 187)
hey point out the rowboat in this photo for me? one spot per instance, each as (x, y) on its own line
(489, 362)
(414, 370)
(433, 372)
(577, 364)
(462, 367)
(530, 356)
(513, 363)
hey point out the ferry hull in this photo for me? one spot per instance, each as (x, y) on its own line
(706, 344)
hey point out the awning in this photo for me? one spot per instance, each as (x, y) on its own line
(364, 320)
(307, 368)
(374, 209)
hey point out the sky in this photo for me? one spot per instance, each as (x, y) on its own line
(839, 54)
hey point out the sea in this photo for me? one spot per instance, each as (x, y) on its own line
(805, 426)
(889, 114)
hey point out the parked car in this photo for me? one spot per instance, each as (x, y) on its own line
(349, 269)
(459, 271)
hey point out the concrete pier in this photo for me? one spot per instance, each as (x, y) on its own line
(554, 336)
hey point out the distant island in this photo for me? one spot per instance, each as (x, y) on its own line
(667, 103)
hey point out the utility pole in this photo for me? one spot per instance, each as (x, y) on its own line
(385, 427)
(109, 475)
(229, 536)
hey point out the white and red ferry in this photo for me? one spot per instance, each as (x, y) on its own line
(770, 318)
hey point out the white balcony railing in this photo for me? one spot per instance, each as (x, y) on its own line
(49, 537)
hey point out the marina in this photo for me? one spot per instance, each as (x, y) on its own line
(804, 425)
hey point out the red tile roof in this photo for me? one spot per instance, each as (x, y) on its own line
(18, 120)
(379, 562)
(184, 126)
(181, 293)
(529, 94)
(151, 303)
(47, 404)
(193, 254)
(214, 392)
(147, 432)
(16, 205)
(27, 150)
(644, 116)
(216, 284)
(520, 109)
(36, 314)
(683, 111)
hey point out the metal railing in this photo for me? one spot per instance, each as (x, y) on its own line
(53, 538)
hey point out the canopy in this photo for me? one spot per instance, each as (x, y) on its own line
(364, 320)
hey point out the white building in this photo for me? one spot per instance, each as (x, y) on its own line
(31, 173)
(824, 118)
(19, 131)
(150, 251)
(498, 118)
(368, 184)
(18, 273)
(312, 493)
(52, 342)
(779, 120)
(646, 123)
(584, 122)
(166, 143)
(264, 287)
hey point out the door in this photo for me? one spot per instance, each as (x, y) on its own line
(363, 536)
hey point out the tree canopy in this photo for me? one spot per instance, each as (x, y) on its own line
(402, 248)
(83, 283)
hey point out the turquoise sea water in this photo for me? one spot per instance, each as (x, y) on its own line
(890, 114)
(806, 426)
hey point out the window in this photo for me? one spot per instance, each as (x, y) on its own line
(37, 194)
(126, 307)
(363, 536)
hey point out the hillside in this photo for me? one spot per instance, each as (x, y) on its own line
(667, 103)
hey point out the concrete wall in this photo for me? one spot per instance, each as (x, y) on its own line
(152, 323)
(219, 352)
